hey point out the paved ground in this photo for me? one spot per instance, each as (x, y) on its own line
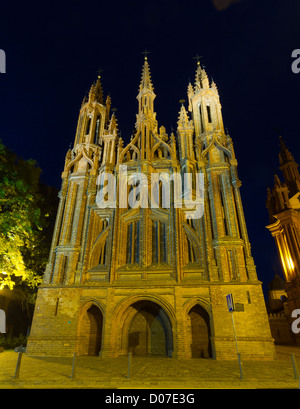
(149, 372)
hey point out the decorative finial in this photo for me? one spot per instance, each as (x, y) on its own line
(145, 54)
(182, 101)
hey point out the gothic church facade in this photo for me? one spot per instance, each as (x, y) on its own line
(151, 280)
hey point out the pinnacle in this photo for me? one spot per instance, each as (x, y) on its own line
(99, 91)
(284, 154)
(146, 82)
(96, 92)
(201, 79)
(183, 117)
(113, 123)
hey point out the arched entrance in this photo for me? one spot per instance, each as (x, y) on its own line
(149, 330)
(200, 332)
(90, 331)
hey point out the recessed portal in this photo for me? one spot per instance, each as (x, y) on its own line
(200, 332)
(150, 331)
(90, 332)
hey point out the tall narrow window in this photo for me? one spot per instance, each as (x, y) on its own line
(210, 216)
(56, 306)
(159, 242)
(53, 268)
(163, 243)
(88, 126)
(223, 206)
(137, 242)
(129, 243)
(200, 114)
(63, 272)
(71, 221)
(231, 265)
(97, 129)
(133, 243)
(155, 241)
(160, 193)
(79, 129)
(208, 113)
(191, 253)
(102, 254)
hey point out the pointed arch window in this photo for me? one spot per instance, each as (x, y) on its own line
(191, 255)
(71, 224)
(102, 255)
(200, 115)
(224, 206)
(88, 126)
(191, 252)
(97, 128)
(63, 272)
(159, 242)
(231, 265)
(133, 243)
(79, 129)
(209, 113)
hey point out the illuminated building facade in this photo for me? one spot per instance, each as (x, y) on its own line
(283, 203)
(149, 279)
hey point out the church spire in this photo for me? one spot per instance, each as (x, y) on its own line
(96, 91)
(146, 82)
(284, 155)
(204, 103)
(146, 94)
(146, 123)
(201, 79)
(289, 168)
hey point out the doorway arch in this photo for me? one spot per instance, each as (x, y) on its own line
(90, 331)
(200, 333)
(148, 330)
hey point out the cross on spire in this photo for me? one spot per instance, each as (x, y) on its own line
(99, 72)
(145, 54)
(198, 58)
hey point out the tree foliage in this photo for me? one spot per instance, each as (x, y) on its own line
(27, 211)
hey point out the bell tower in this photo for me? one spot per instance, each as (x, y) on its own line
(216, 159)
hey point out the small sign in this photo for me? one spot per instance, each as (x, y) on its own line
(230, 303)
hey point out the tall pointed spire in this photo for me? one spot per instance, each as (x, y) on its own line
(96, 91)
(204, 102)
(284, 155)
(183, 117)
(201, 79)
(146, 82)
(146, 94)
(146, 123)
(289, 168)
